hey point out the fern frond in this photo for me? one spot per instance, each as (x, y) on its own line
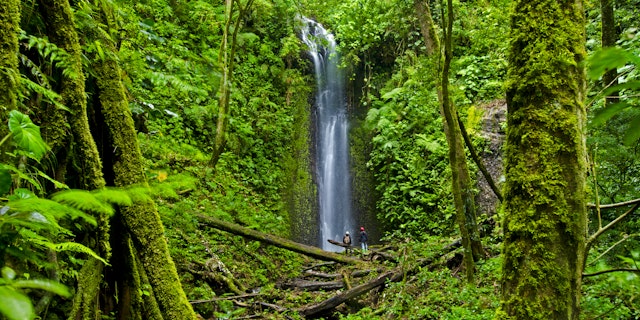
(113, 196)
(52, 211)
(83, 200)
(76, 247)
(27, 87)
(56, 56)
(140, 194)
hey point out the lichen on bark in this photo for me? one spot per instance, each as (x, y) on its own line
(545, 163)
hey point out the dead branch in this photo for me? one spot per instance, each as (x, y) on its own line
(584, 275)
(242, 296)
(614, 205)
(321, 274)
(338, 299)
(602, 230)
(313, 285)
(391, 276)
(276, 241)
(318, 265)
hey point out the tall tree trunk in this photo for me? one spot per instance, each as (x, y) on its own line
(141, 219)
(609, 38)
(226, 59)
(461, 179)
(9, 75)
(61, 29)
(59, 21)
(545, 162)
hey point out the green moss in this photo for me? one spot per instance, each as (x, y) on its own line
(545, 206)
(141, 219)
(300, 192)
(9, 75)
(60, 24)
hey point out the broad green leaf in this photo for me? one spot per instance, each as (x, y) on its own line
(26, 135)
(5, 181)
(8, 273)
(632, 134)
(633, 85)
(604, 114)
(15, 305)
(607, 59)
(44, 284)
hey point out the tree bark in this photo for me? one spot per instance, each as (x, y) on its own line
(545, 162)
(227, 56)
(462, 188)
(141, 220)
(461, 179)
(9, 74)
(60, 26)
(59, 20)
(310, 251)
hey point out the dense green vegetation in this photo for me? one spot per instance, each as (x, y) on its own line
(169, 59)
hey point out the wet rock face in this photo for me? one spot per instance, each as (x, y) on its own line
(493, 131)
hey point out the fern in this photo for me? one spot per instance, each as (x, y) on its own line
(56, 56)
(68, 246)
(84, 201)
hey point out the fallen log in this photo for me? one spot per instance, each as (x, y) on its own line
(392, 276)
(279, 242)
(340, 244)
(338, 299)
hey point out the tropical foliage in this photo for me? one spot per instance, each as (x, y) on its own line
(170, 54)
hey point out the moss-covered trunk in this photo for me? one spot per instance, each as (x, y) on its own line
(141, 220)
(545, 162)
(461, 178)
(61, 29)
(9, 76)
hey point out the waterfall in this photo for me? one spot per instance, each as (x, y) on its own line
(332, 145)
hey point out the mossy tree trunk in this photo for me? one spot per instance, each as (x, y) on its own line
(59, 20)
(226, 61)
(141, 220)
(60, 27)
(461, 179)
(545, 162)
(9, 75)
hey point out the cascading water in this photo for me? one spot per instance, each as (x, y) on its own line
(332, 148)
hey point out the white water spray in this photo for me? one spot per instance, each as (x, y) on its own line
(332, 145)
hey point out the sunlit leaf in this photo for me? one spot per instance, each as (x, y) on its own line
(26, 134)
(15, 305)
(604, 114)
(608, 59)
(44, 284)
(8, 273)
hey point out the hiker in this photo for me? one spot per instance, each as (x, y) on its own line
(363, 240)
(347, 241)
